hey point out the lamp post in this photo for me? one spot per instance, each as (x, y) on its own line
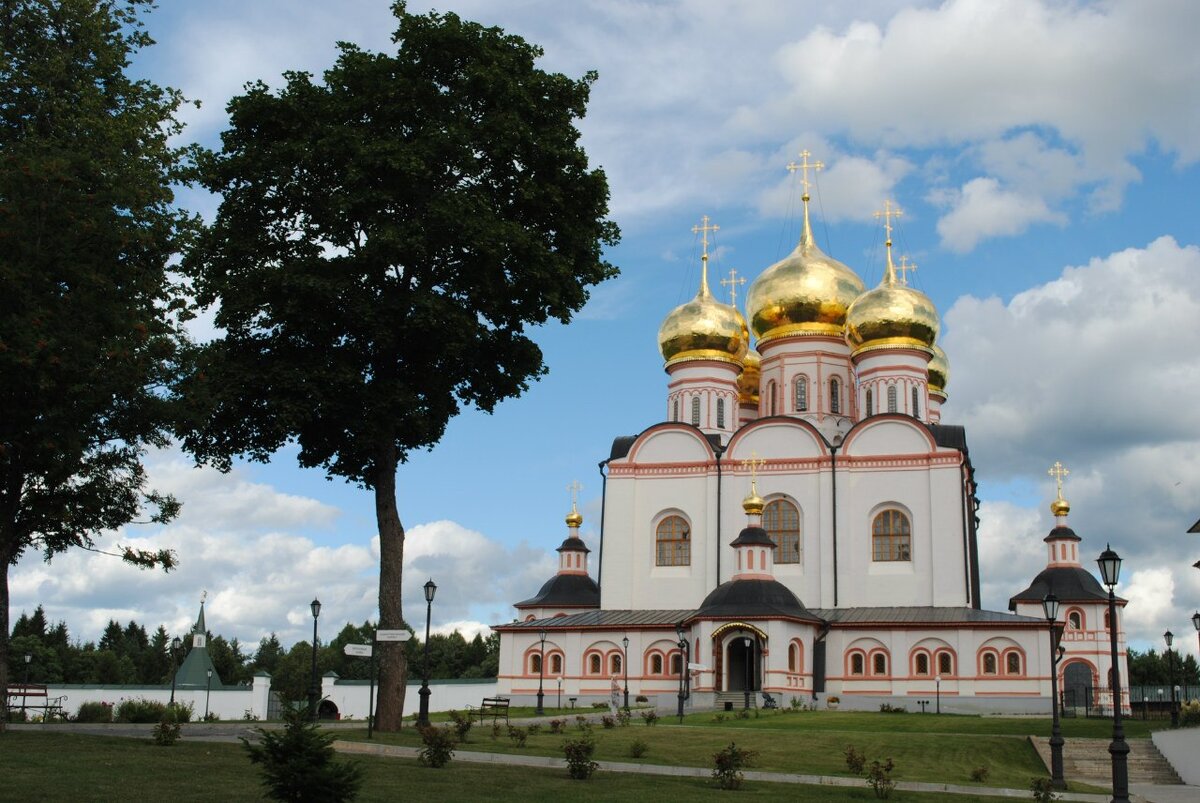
(937, 680)
(625, 666)
(25, 691)
(541, 672)
(1110, 572)
(746, 701)
(1196, 624)
(1050, 609)
(314, 685)
(1169, 637)
(175, 645)
(560, 692)
(423, 712)
(207, 691)
(684, 656)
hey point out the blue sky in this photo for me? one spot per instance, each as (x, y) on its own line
(1044, 154)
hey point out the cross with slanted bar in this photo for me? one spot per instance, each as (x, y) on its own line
(804, 166)
(574, 488)
(904, 267)
(732, 283)
(1058, 471)
(754, 464)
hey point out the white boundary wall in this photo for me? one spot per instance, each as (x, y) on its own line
(1181, 747)
(352, 697)
(227, 702)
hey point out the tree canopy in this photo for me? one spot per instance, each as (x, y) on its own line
(386, 238)
(88, 335)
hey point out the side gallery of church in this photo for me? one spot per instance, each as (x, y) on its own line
(802, 523)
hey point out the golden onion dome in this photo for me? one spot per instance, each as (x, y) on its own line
(939, 371)
(805, 293)
(1059, 507)
(753, 504)
(748, 382)
(703, 329)
(574, 519)
(893, 315)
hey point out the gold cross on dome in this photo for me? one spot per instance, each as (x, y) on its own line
(574, 488)
(887, 214)
(904, 267)
(754, 464)
(732, 283)
(1058, 471)
(703, 229)
(804, 167)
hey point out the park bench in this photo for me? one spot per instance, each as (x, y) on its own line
(35, 697)
(769, 701)
(495, 707)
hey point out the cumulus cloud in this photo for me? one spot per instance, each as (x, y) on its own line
(982, 209)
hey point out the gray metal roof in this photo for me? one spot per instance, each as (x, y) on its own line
(603, 619)
(919, 615)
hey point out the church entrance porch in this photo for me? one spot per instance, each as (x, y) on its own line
(743, 663)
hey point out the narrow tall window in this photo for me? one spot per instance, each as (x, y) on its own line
(801, 393)
(614, 665)
(675, 410)
(556, 664)
(695, 411)
(835, 396)
(677, 664)
(594, 664)
(1074, 621)
(989, 663)
(673, 547)
(922, 664)
(535, 664)
(879, 664)
(891, 398)
(916, 405)
(945, 663)
(870, 403)
(891, 537)
(771, 398)
(720, 414)
(781, 520)
(656, 664)
(856, 664)
(1012, 663)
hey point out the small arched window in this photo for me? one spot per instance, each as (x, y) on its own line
(870, 403)
(1012, 663)
(781, 520)
(989, 663)
(695, 411)
(879, 664)
(556, 664)
(535, 664)
(916, 403)
(614, 664)
(675, 410)
(720, 414)
(771, 398)
(1074, 621)
(594, 664)
(673, 545)
(677, 664)
(835, 396)
(891, 537)
(856, 664)
(656, 664)
(922, 664)
(793, 658)
(945, 663)
(891, 398)
(801, 393)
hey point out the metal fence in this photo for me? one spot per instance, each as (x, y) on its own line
(1141, 702)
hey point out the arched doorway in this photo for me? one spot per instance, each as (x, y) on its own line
(1077, 685)
(743, 663)
(327, 709)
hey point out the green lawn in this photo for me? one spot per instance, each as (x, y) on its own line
(52, 765)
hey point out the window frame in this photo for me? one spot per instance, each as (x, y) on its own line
(800, 390)
(835, 396)
(782, 536)
(891, 546)
(893, 400)
(679, 550)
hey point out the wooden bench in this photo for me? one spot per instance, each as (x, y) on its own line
(495, 707)
(36, 697)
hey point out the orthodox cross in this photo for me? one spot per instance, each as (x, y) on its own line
(904, 267)
(887, 214)
(1058, 471)
(804, 167)
(732, 283)
(703, 229)
(574, 488)
(754, 464)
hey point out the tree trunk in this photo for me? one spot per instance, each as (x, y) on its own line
(393, 671)
(4, 564)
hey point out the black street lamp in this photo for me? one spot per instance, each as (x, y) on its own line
(541, 672)
(1196, 624)
(937, 684)
(314, 685)
(685, 649)
(560, 692)
(749, 660)
(175, 645)
(423, 713)
(25, 691)
(625, 666)
(1169, 637)
(1110, 571)
(207, 692)
(1050, 609)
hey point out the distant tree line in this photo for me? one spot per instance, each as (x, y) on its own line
(130, 655)
(1153, 669)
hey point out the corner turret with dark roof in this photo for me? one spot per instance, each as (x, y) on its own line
(572, 586)
(193, 673)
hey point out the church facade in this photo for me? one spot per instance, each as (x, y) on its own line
(802, 523)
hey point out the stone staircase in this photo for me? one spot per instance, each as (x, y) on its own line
(1088, 760)
(737, 698)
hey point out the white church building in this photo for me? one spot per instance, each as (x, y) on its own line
(805, 521)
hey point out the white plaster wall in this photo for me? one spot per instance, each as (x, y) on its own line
(1180, 747)
(230, 703)
(352, 698)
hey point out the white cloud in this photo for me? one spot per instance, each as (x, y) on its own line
(982, 210)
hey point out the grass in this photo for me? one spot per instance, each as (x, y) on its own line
(53, 765)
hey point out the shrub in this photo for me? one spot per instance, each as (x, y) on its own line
(608, 721)
(298, 762)
(742, 713)
(719, 718)
(728, 765)
(439, 744)
(623, 717)
(581, 722)
(557, 725)
(462, 724)
(650, 717)
(211, 716)
(249, 716)
(497, 729)
(602, 706)
(879, 777)
(579, 757)
(1043, 790)
(139, 710)
(796, 704)
(518, 735)
(641, 698)
(887, 708)
(855, 760)
(95, 712)
(533, 728)
(1189, 713)
(980, 773)
(166, 732)
(638, 748)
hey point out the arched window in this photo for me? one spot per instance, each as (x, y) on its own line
(1074, 620)
(870, 403)
(989, 663)
(879, 664)
(720, 414)
(614, 664)
(556, 664)
(793, 658)
(594, 664)
(677, 664)
(945, 663)
(696, 411)
(835, 396)
(1012, 663)
(801, 393)
(675, 410)
(781, 520)
(921, 665)
(771, 398)
(656, 664)
(891, 398)
(535, 664)
(856, 664)
(673, 545)
(891, 537)
(916, 405)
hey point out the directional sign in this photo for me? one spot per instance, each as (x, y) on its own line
(359, 650)
(697, 667)
(392, 635)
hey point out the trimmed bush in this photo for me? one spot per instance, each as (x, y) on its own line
(139, 710)
(166, 732)
(462, 724)
(650, 717)
(638, 748)
(439, 747)
(94, 712)
(579, 757)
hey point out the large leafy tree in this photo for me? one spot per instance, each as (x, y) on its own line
(386, 237)
(87, 228)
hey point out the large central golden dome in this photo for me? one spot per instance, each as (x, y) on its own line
(805, 293)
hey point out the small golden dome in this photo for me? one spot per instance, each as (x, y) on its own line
(703, 329)
(805, 293)
(748, 382)
(574, 519)
(753, 504)
(1059, 507)
(939, 371)
(892, 315)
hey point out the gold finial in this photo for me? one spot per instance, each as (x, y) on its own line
(807, 236)
(1059, 506)
(574, 518)
(904, 267)
(732, 283)
(753, 504)
(889, 212)
(703, 229)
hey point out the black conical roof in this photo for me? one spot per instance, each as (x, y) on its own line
(567, 590)
(1069, 584)
(753, 598)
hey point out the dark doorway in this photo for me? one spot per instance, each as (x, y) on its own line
(742, 664)
(1077, 685)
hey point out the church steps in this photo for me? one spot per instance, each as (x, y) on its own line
(1089, 759)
